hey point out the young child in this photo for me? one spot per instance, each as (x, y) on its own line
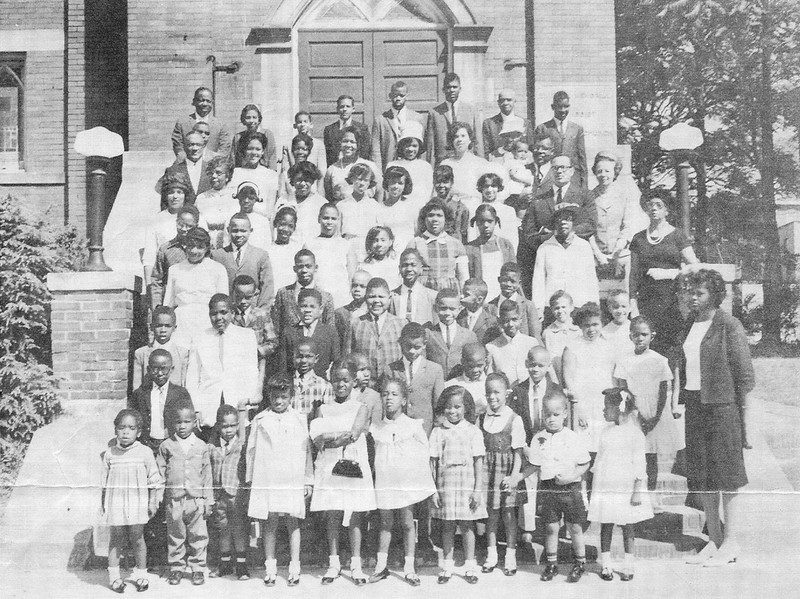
(528, 397)
(447, 337)
(588, 369)
(424, 379)
(504, 438)
(339, 433)
(344, 315)
(333, 255)
(281, 475)
(380, 259)
(249, 316)
(377, 333)
(285, 311)
(490, 185)
(520, 177)
(248, 195)
(474, 361)
(487, 253)
(619, 471)
(444, 258)
(184, 463)
(458, 224)
(310, 389)
(646, 374)
(476, 316)
(230, 502)
(303, 177)
(162, 325)
(457, 455)
(510, 281)
(283, 248)
(303, 149)
(618, 331)
(131, 483)
(325, 336)
(562, 330)
(560, 457)
(396, 209)
(402, 476)
(412, 300)
(509, 350)
(359, 210)
(359, 365)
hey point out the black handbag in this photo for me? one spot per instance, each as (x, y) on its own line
(347, 468)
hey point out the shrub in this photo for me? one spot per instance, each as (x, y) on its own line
(30, 248)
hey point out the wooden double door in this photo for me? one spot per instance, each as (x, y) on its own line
(364, 65)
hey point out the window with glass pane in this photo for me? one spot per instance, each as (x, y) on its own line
(12, 91)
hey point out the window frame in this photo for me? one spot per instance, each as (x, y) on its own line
(12, 66)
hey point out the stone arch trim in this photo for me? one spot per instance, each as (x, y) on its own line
(291, 13)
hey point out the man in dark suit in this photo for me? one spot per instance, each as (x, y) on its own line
(537, 223)
(569, 135)
(241, 258)
(192, 166)
(157, 399)
(219, 139)
(528, 403)
(388, 128)
(332, 134)
(505, 120)
(445, 114)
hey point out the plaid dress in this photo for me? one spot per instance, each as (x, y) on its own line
(499, 462)
(456, 447)
(439, 256)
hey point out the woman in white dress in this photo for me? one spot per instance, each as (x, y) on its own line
(217, 204)
(467, 167)
(252, 146)
(339, 432)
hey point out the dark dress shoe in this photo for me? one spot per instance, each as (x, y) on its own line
(175, 577)
(329, 579)
(225, 569)
(471, 578)
(378, 576)
(141, 584)
(292, 581)
(269, 580)
(626, 576)
(198, 578)
(242, 573)
(577, 571)
(488, 569)
(509, 571)
(118, 586)
(412, 579)
(443, 578)
(550, 571)
(607, 574)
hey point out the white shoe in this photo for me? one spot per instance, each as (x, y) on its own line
(703, 555)
(724, 556)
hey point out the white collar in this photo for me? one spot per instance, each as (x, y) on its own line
(430, 238)
(165, 388)
(345, 124)
(201, 119)
(563, 190)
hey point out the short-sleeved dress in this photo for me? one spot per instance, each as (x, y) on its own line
(439, 256)
(658, 300)
(128, 475)
(421, 174)
(332, 276)
(282, 259)
(341, 493)
(402, 463)
(387, 269)
(401, 218)
(500, 444)
(278, 464)
(620, 461)
(644, 373)
(456, 446)
(595, 369)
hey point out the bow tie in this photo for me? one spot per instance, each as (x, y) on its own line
(493, 414)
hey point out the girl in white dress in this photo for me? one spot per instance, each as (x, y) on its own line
(281, 473)
(283, 248)
(397, 210)
(402, 475)
(647, 375)
(619, 473)
(381, 260)
(339, 432)
(588, 364)
(335, 264)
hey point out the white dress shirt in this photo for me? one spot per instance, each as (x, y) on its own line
(402, 304)
(195, 170)
(158, 398)
(411, 369)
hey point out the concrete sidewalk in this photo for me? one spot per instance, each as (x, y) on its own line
(44, 538)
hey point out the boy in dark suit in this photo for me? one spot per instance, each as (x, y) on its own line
(441, 117)
(332, 134)
(325, 337)
(510, 288)
(447, 337)
(528, 396)
(476, 315)
(285, 311)
(412, 300)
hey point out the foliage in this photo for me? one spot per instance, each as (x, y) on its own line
(29, 250)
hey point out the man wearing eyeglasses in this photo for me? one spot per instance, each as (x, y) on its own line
(562, 193)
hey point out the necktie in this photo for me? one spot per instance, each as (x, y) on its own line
(239, 257)
(307, 331)
(537, 175)
(452, 113)
(409, 311)
(410, 373)
(447, 330)
(221, 349)
(377, 328)
(238, 318)
(559, 196)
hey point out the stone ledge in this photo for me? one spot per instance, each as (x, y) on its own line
(93, 281)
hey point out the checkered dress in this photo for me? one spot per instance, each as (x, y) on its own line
(456, 447)
(439, 260)
(498, 464)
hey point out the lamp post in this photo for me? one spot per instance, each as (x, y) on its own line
(98, 145)
(680, 141)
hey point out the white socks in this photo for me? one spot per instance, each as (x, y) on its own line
(271, 565)
(511, 558)
(408, 566)
(605, 559)
(470, 565)
(355, 564)
(382, 559)
(139, 573)
(294, 568)
(333, 562)
(448, 565)
(491, 556)
(113, 573)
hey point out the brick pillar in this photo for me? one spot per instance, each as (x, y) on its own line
(92, 316)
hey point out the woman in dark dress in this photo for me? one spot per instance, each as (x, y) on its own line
(716, 378)
(657, 254)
